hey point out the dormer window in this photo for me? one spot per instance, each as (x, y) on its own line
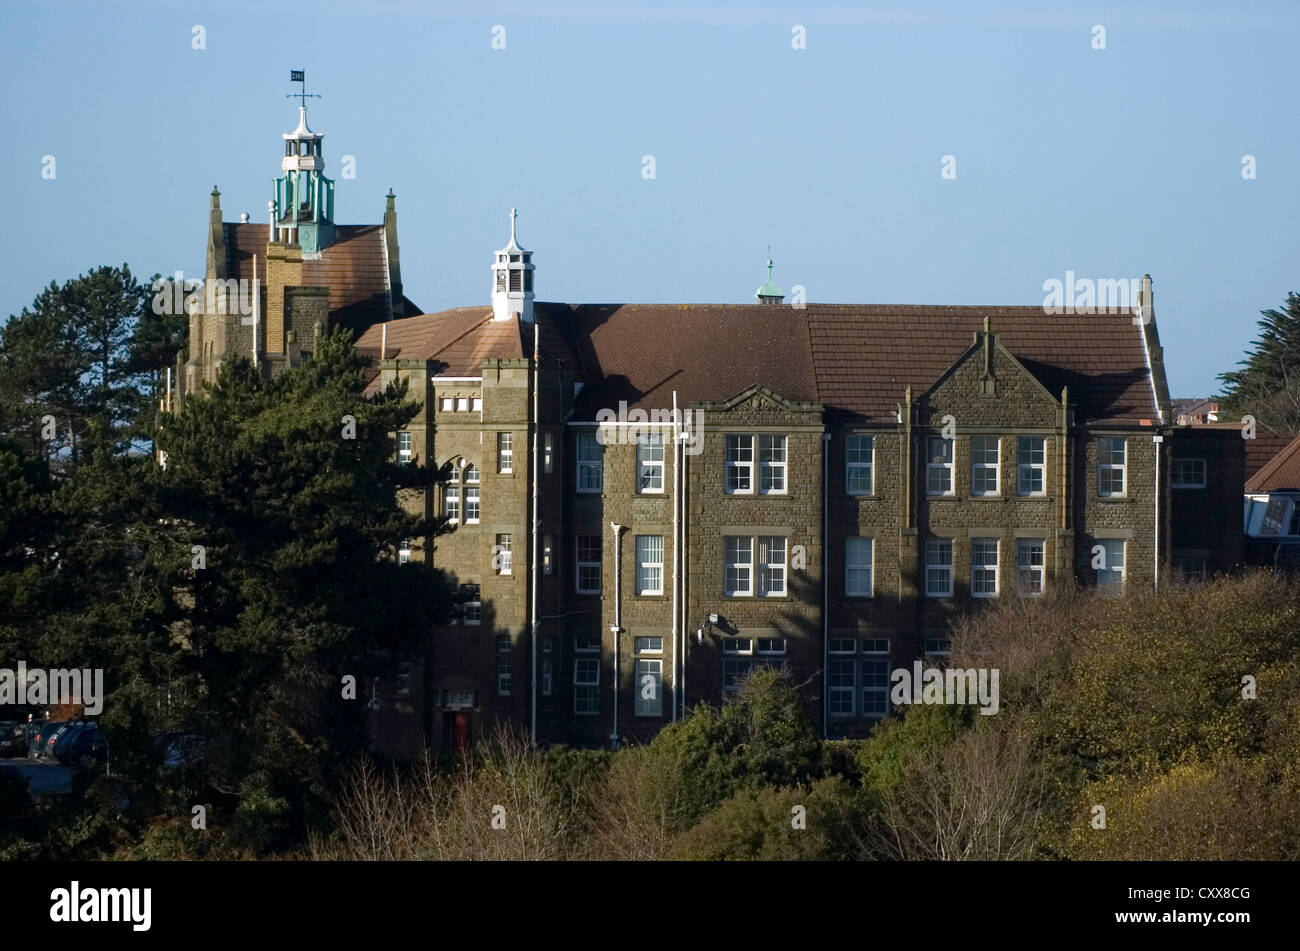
(514, 259)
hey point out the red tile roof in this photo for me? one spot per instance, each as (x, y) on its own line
(1280, 472)
(354, 268)
(857, 360)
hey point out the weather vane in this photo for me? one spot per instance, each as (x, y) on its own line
(300, 76)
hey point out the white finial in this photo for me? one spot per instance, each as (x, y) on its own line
(514, 213)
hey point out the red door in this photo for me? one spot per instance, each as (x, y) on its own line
(460, 733)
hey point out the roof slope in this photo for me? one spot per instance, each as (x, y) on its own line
(1280, 472)
(858, 360)
(354, 268)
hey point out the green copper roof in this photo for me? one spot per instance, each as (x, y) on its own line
(769, 289)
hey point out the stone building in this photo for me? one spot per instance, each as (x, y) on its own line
(650, 501)
(840, 484)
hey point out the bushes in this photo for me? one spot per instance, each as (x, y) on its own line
(1133, 703)
(779, 824)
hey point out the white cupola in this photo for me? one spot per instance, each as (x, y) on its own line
(512, 280)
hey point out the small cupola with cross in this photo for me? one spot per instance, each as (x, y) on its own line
(303, 209)
(512, 280)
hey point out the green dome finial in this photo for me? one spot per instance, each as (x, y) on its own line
(769, 293)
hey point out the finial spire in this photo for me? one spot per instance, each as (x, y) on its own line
(514, 213)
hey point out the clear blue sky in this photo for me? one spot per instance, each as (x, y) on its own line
(1107, 163)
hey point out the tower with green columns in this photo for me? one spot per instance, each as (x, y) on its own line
(304, 197)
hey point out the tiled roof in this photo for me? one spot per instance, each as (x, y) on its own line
(354, 268)
(867, 356)
(857, 360)
(1280, 472)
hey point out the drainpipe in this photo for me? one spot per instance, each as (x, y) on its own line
(1158, 439)
(537, 519)
(676, 558)
(686, 536)
(617, 626)
(826, 508)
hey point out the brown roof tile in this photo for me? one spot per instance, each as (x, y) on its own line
(857, 360)
(354, 268)
(1280, 472)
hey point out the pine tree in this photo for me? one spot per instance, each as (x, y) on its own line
(1268, 385)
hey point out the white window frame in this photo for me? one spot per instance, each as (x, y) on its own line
(934, 547)
(548, 554)
(473, 508)
(581, 563)
(1027, 570)
(650, 644)
(648, 667)
(548, 453)
(1106, 444)
(943, 468)
(586, 686)
(771, 568)
(404, 552)
(737, 662)
(447, 404)
(505, 453)
(877, 665)
(649, 564)
(476, 404)
(506, 550)
(474, 605)
(739, 464)
(855, 448)
(773, 459)
(649, 470)
(738, 566)
(851, 567)
(1118, 575)
(981, 469)
(1179, 481)
(451, 503)
(462, 404)
(503, 676)
(1027, 447)
(590, 459)
(404, 443)
(837, 690)
(984, 575)
(548, 676)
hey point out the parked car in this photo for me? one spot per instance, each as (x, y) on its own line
(50, 737)
(61, 741)
(83, 746)
(41, 738)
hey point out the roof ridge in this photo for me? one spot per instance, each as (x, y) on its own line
(1267, 470)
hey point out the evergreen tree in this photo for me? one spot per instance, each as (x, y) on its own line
(1268, 385)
